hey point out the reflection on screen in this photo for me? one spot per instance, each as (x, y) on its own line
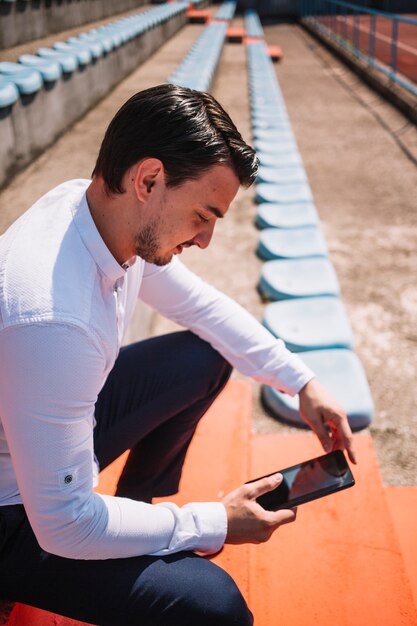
(309, 480)
(312, 476)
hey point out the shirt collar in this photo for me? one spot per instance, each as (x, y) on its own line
(93, 241)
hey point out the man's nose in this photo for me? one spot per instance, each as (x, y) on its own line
(203, 238)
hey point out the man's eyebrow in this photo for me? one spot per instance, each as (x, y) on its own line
(214, 210)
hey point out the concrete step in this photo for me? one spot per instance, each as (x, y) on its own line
(340, 563)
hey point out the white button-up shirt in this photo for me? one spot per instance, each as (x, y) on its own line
(65, 303)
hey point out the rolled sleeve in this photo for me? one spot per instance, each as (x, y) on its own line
(201, 527)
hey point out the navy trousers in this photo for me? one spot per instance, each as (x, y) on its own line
(151, 404)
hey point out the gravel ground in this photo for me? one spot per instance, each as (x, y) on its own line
(357, 152)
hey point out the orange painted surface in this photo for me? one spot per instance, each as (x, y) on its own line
(340, 562)
(402, 502)
(218, 461)
(235, 34)
(109, 477)
(201, 16)
(253, 39)
(275, 53)
(28, 616)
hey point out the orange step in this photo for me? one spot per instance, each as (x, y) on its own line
(402, 502)
(198, 16)
(218, 461)
(275, 53)
(235, 35)
(23, 615)
(340, 562)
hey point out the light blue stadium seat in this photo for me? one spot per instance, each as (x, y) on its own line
(8, 92)
(94, 37)
(82, 53)
(270, 215)
(110, 30)
(253, 24)
(105, 38)
(284, 194)
(298, 278)
(310, 323)
(278, 119)
(268, 106)
(67, 61)
(28, 81)
(274, 146)
(291, 243)
(226, 11)
(49, 69)
(273, 123)
(197, 69)
(279, 160)
(341, 372)
(93, 45)
(281, 176)
(275, 134)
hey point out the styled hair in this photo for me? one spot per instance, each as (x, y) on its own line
(188, 130)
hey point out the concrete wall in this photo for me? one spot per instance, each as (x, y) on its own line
(34, 122)
(26, 20)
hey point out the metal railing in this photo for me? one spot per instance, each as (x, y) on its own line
(386, 41)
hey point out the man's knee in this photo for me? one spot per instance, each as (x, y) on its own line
(228, 607)
(216, 599)
(191, 591)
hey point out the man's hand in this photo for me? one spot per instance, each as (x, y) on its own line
(318, 408)
(248, 522)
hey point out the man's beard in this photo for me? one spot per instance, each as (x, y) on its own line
(147, 245)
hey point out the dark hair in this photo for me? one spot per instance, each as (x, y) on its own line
(188, 130)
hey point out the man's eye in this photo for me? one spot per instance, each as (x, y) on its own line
(202, 218)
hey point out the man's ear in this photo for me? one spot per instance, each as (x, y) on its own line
(149, 173)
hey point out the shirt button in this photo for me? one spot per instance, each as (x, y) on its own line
(68, 479)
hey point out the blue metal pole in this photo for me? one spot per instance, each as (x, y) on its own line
(394, 42)
(372, 39)
(344, 28)
(334, 19)
(356, 31)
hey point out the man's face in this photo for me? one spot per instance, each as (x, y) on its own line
(185, 216)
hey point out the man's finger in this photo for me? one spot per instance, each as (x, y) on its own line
(259, 487)
(322, 433)
(284, 516)
(343, 439)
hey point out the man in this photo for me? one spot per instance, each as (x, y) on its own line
(71, 269)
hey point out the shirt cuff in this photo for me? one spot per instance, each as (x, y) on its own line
(295, 377)
(212, 521)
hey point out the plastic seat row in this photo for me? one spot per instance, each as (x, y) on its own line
(253, 25)
(226, 11)
(28, 75)
(198, 67)
(307, 312)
